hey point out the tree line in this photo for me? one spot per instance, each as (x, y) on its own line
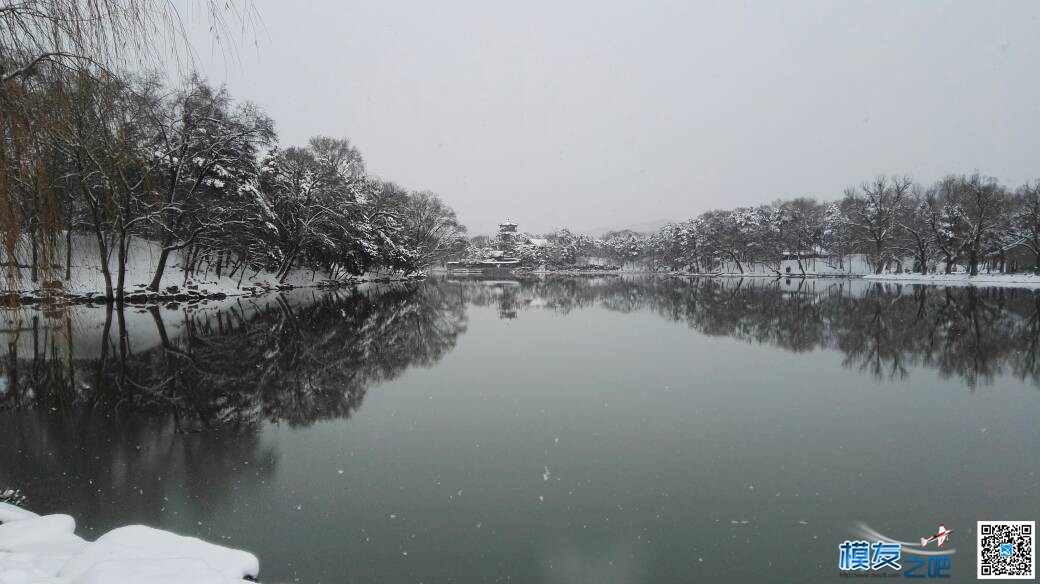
(959, 223)
(87, 148)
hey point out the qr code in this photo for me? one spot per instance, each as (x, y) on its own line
(1006, 549)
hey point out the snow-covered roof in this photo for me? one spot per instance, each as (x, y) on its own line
(538, 242)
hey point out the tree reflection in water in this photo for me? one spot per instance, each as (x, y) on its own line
(126, 407)
(311, 356)
(89, 462)
(882, 329)
(294, 359)
(122, 407)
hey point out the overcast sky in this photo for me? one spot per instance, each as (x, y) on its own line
(592, 113)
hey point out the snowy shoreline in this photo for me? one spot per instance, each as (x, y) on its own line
(190, 293)
(1007, 280)
(194, 295)
(38, 549)
(83, 283)
(1030, 281)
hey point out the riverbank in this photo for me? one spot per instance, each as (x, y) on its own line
(1030, 281)
(192, 292)
(84, 283)
(1009, 280)
(45, 549)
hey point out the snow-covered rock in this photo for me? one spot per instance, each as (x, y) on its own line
(46, 550)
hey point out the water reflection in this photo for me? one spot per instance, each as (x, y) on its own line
(112, 403)
(91, 462)
(287, 358)
(309, 356)
(883, 330)
(577, 429)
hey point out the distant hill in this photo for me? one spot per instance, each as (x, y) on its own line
(644, 227)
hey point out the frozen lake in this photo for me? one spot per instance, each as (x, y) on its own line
(537, 430)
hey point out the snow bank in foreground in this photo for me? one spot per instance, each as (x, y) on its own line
(1009, 280)
(46, 550)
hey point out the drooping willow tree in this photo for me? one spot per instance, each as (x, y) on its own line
(52, 52)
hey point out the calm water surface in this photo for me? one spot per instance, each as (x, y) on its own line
(561, 430)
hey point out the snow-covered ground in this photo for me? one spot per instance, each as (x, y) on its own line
(849, 266)
(45, 550)
(962, 279)
(143, 255)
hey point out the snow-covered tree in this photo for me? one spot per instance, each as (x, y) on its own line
(918, 239)
(969, 218)
(984, 203)
(205, 150)
(871, 213)
(836, 236)
(806, 227)
(431, 228)
(1025, 220)
(307, 199)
